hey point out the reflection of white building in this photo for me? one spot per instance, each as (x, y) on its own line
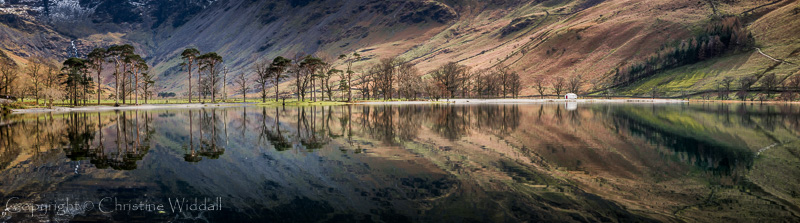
(571, 106)
(571, 96)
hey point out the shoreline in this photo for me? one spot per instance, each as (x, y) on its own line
(442, 101)
(120, 108)
(528, 101)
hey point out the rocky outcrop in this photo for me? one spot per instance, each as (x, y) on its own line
(520, 23)
(421, 11)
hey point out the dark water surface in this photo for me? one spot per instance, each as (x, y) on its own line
(420, 163)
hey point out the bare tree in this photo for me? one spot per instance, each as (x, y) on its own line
(540, 84)
(468, 83)
(575, 83)
(503, 73)
(559, 85)
(8, 74)
(514, 84)
(385, 73)
(324, 74)
(51, 84)
(449, 77)
(408, 81)
(35, 70)
(744, 86)
(225, 83)
(727, 83)
(328, 85)
(366, 83)
(721, 93)
(263, 76)
(434, 89)
(479, 87)
(793, 86)
(654, 92)
(769, 83)
(241, 82)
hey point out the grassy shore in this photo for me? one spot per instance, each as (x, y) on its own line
(30, 106)
(107, 105)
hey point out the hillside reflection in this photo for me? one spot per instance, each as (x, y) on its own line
(508, 162)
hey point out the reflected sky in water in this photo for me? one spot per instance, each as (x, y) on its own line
(420, 163)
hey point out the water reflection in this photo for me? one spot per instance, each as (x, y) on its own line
(721, 154)
(544, 162)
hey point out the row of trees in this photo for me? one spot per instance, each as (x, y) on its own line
(392, 77)
(309, 73)
(388, 79)
(131, 72)
(210, 67)
(79, 79)
(44, 79)
(767, 85)
(40, 78)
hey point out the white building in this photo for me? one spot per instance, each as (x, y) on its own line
(571, 96)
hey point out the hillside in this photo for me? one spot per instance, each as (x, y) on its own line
(555, 38)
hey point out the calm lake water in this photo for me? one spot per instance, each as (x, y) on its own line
(421, 163)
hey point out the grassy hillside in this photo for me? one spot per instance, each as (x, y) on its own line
(772, 26)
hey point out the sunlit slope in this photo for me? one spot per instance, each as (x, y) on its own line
(555, 38)
(774, 26)
(547, 38)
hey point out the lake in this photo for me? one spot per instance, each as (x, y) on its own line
(406, 163)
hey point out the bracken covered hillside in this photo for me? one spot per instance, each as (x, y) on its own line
(596, 39)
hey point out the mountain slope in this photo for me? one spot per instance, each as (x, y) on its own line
(550, 38)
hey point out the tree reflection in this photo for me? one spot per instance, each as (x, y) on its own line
(310, 137)
(379, 123)
(500, 119)
(722, 158)
(86, 141)
(8, 153)
(192, 155)
(209, 146)
(451, 122)
(410, 121)
(274, 135)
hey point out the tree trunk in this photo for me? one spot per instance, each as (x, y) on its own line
(98, 89)
(123, 93)
(116, 84)
(136, 87)
(190, 80)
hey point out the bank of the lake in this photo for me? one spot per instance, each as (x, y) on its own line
(329, 103)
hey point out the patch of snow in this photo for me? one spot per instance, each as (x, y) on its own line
(68, 10)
